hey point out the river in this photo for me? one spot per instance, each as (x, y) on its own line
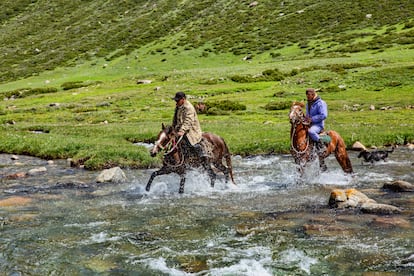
(61, 222)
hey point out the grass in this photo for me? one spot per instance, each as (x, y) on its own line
(97, 125)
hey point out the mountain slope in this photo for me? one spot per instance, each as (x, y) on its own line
(42, 35)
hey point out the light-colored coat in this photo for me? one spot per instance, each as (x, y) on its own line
(187, 121)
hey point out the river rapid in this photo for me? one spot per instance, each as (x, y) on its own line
(61, 222)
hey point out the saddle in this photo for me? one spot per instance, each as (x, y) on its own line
(324, 137)
(204, 145)
(207, 147)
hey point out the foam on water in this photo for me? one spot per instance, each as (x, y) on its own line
(297, 258)
(247, 267)
(100, 237)
(251, 261)
(160, 265)
(87, 225)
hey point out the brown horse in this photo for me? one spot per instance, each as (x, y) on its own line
(303, 150)
(178, 158)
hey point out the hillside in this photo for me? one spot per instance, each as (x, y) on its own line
(41, 35)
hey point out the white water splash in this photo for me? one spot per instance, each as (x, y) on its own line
(245, 267)
(297, 257)
(160, 265)
(100, 237)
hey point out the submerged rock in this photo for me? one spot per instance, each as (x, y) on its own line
(391, 222)
(399, 186)
(14, 201)
(36, 171)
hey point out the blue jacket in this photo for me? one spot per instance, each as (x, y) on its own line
(317, 110)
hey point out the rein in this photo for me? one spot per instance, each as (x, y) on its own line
(174, 144)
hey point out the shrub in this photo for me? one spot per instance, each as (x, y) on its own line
(77, 84)
(25, 92)
(225, 105)
(278, 105)
(273, 75)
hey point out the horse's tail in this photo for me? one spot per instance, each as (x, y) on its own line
(227, 156)
(341, 154)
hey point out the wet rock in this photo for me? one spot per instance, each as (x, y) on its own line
(357, 199)
(193, 264)
(391, 222)
(337, 197)
(36, 171)
(144, 81)
(409, 259)
(23, 218)
(115, 175)
(71, 184)
(358, 146)
(349, 198)
(99, 264)
(14, 157)
(266, 226)
(16, 175)
(14, 201)
(399, 186)
(325, 230)
(378, 208)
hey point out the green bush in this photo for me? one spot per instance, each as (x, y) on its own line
(278, 105)
(25, 92)
(225, 105)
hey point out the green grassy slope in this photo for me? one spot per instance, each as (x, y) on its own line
(42, 35)
(69, 72)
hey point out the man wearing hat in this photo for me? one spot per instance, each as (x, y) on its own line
(316, 113)
(186, 123)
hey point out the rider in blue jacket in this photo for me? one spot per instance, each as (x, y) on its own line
(316, 113)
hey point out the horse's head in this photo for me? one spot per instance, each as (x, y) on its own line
(164, 138)
(296, 114)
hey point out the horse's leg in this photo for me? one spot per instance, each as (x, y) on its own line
(182, 182)
(161, 171)
(223, 169)
(212, 175)
(207, 166)
(342, 157)
(322, 164)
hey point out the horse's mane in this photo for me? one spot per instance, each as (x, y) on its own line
(168, 128)
(301, 104)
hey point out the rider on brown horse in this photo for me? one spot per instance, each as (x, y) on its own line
(316, 113)
(186, 124)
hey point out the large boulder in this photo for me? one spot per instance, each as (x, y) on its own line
(352, 198)
(358, 146)
(115, 175)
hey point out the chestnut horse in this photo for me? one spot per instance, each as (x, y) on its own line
(303, 150)
(178, 159)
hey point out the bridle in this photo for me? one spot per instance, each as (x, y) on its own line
(170, 147)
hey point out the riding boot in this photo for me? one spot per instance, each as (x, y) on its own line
(321, 148)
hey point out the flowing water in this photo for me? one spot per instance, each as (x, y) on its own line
(61, 222)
